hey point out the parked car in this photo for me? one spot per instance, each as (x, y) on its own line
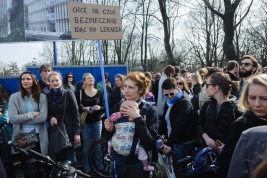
(65, 36)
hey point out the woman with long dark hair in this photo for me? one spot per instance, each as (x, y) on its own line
(28, 112)
(69, 82)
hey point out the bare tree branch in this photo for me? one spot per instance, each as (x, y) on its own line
(244, 14)
(212, 9)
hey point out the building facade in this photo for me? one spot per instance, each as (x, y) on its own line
(4, 18)
(49, 15)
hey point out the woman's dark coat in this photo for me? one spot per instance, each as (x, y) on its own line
(217, 126)
(72, 117)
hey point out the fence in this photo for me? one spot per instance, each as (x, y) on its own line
(12, 83)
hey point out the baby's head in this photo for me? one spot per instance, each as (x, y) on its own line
(129, 103)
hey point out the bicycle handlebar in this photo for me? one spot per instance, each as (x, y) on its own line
(185, 160)
(46, 159)
(16, 148)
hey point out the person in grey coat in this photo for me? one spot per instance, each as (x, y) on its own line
(27, 112)
(250, 151)
(56, 104)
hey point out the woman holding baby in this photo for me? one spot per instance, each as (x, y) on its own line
(146, 127)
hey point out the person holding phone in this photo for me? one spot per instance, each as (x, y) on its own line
(93, 103)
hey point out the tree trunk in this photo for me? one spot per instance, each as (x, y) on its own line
(228, 45)
(166, 27)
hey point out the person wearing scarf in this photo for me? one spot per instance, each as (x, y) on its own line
(177, 122)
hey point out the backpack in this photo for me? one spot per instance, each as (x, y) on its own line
(205, 160)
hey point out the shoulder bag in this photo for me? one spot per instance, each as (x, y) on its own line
(28, 138)
(83, 115)
(58, 136)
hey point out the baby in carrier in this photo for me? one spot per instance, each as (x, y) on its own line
(142, 155)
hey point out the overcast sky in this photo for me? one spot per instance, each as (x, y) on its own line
(21, 53)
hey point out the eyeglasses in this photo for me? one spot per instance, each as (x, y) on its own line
(168, 94)
(180, 83)
(207, 85)
(70, 76)
(246, 64)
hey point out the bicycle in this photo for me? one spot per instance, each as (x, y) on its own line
(60, 169)
(106, 158)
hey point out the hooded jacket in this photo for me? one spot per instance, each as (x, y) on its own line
(217, 126)
(183, 128)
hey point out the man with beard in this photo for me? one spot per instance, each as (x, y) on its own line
(248, 68)
(232, 70)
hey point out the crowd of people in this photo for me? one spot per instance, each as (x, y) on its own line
(224, 109)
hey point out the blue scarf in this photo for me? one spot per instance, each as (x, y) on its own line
(56, 94)
(176, 98)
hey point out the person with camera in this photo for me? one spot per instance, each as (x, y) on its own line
(28, 113)
(92, 102)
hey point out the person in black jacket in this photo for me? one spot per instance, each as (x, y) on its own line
(146, 128)
(44, 70)
(177, 121)
(217, 114)
(253, 102)
(56, 105)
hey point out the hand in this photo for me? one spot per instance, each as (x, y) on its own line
(96, 107)
(35, 114)
(166, 149)
(130, 111)
(87, 110)
(109, 125)
(210, 143)
(220, 148)
(53, 121)
(77, 138)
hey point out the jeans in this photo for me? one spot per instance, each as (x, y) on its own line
(181, 150)
(69, 154)
(92, 131)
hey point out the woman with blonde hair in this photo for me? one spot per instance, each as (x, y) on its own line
(93, 103)
(188, 80)
(202, 72)
(62, 107)
(253, 102)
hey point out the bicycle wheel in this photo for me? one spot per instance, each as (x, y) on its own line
(106, 158)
